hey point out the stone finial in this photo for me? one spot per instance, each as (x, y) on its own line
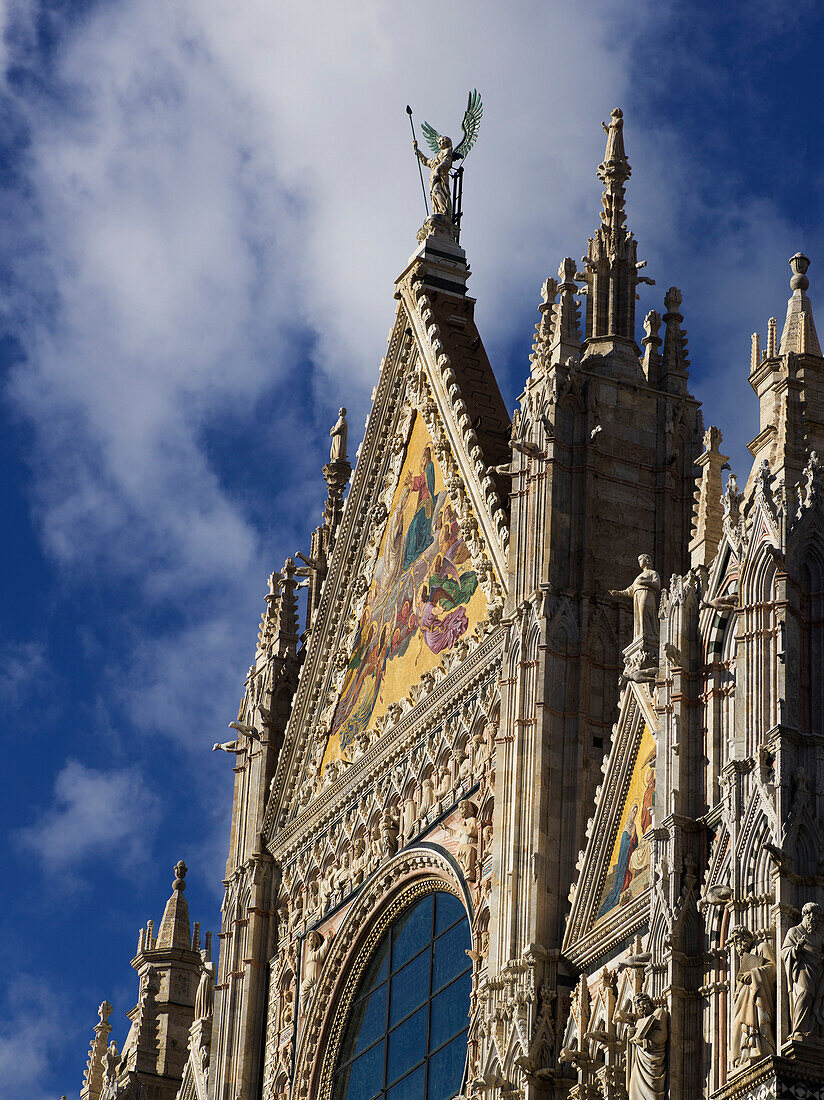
(566, 333)
(94, 1077)
(755, 351)
(772, 338)
(652, 342)
(708, 514)
(174, 928)
(675, 360)
(799, 333)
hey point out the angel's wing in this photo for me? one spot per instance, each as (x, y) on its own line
(432, 136)
(471, 124)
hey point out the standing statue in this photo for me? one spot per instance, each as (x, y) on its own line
(802, 954)
(753, 1011)
(646, 1049)
(444, 156)
(614, 130)
(340, 437)
(205, 996)
(467, 837)
(644, 593)
(315, 950)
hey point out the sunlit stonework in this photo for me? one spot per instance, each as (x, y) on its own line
(528, 794)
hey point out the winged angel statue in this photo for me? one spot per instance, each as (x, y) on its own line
(445, 156)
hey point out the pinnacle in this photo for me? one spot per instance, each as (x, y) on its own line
(174, 927)
(799, 333)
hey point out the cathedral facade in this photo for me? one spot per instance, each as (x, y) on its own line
(529, 797)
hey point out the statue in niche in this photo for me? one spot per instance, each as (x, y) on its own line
(408, 817)
(340, 436)
(388, 832)
(753, 1011)
(427, 795)
(443, 785)
(644, 592)
(315, 951)
(802, 954)
(646, 1049)
(467, 835)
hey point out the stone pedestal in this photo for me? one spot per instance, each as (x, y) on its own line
(798, 1074)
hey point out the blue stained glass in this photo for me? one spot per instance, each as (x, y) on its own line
(410, 988)
(364, 1077)
(406, 1046)
(411, 932)
(377, 970)
(447, 910)
(368, 1022)
(410, 1088)
(451, 956)
(449, 1011)
(445, 1070)
(428, 1003)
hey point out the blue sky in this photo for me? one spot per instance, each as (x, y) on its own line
(203, 212)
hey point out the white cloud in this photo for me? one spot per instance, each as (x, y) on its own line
(34, 1025)
(93, 813)
(218, 189)
(21, 666)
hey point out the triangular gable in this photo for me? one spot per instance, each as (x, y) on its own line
(611, 898)
(435, 389)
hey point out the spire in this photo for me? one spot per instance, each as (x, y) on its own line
(174, 927)
(708, 516)
(611, 266)
(799, 333)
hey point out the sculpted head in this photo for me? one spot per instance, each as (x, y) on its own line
(742, 938)
(444, 142)
(645, 561)
(643, 1004)
(810, 916)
